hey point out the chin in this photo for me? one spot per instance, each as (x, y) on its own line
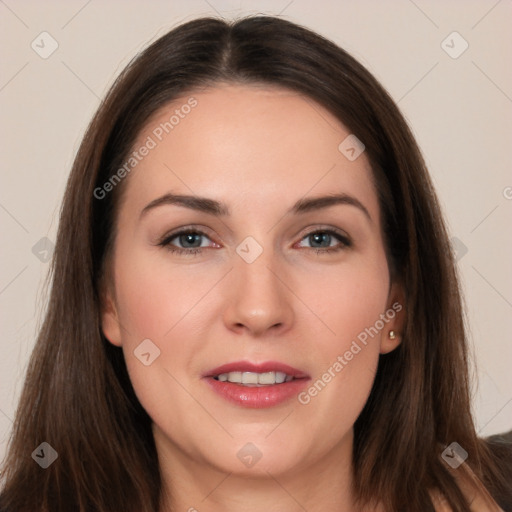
(251, 462)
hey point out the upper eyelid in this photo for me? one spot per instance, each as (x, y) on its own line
(187, 229)
(331, 229)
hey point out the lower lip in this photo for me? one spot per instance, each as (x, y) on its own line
(257, 397)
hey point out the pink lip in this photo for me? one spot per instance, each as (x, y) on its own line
(257, 397)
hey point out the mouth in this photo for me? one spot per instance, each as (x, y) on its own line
(256, 385)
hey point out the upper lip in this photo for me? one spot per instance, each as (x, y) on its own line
(263, 367)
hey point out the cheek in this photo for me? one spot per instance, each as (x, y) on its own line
(154, 297)
(167, 305)
(347, 299)
(350, 303)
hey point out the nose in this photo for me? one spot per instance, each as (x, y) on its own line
(259, 302)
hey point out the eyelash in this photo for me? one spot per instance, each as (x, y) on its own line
(166, 242)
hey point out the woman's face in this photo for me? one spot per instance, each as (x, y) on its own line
(267, 281)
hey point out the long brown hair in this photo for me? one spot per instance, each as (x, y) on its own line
(77, 395)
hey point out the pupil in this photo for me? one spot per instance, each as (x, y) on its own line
(189, 239)
(319, 237)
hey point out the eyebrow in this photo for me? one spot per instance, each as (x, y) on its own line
(218, 209)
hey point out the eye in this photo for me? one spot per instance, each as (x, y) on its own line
(186, 241)
(190, 242)
(324, 241)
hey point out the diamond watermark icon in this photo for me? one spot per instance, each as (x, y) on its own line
(44, 45)
(454, 45)
(45, 455)
(249, 250)
(459, 248)
(146, 352)
(454, 455)
(249, 454)
(351, 147)
(43, 249)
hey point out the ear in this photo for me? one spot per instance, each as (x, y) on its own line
(392, 333)
(109, 319)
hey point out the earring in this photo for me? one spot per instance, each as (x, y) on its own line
(392, 335)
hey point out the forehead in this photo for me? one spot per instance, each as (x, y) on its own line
(247, 146)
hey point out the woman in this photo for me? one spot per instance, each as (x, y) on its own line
(254, 301)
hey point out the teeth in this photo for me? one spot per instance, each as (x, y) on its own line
(266, 378)
(280, 377)
(255, 379)
(249, 378)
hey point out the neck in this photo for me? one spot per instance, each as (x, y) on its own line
(197, 485)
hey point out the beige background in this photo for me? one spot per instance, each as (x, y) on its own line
(459, 108)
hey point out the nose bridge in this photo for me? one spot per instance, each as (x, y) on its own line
(259, 300)
(256, 278)
(253, 259)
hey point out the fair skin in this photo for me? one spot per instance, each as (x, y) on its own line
(258, 151)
